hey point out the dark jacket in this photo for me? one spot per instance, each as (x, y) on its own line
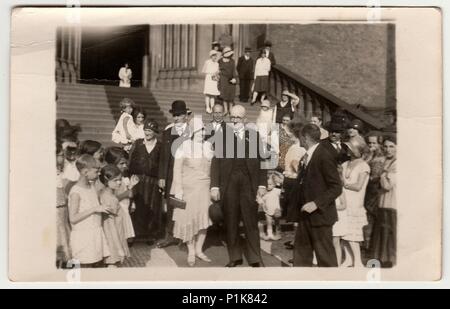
(321, 184)
(166, 161)
(272, 58)
(221, 166)
(341, 156)
(142, 162)
(245, 68)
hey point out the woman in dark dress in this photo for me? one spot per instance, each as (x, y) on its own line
(144, 159)
(375, 159)
(227, 79)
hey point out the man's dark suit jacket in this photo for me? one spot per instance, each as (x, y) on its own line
(321, 184)
(221, 167)
(272, 58)
(166, 158)
(341, 156)
(245, 68)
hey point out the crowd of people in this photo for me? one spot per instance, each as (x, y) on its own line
(222, 75)
(333, 182)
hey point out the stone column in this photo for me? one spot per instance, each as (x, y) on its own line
(203, 47)
(64, 65)
(58, 68)
(156, 50)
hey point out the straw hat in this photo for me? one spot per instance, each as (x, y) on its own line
(227, 52)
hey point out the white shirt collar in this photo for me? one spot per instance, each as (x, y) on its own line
(310, 152)
(180, 128)
(336, 144)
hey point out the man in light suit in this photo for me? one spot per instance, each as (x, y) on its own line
(319, 185)
(237, 179)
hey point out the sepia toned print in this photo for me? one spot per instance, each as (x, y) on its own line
(227, 145)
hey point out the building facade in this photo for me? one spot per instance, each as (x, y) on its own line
(354, 62)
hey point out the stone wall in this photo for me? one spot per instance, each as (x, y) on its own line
(355, 62)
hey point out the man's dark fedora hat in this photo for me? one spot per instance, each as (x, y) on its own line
(178, 108)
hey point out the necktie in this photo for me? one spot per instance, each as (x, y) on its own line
(303, 165)
(338, 147)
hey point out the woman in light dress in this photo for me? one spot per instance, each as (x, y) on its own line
(125, 75)
(211, 71)
(352, 218)
(191, 183)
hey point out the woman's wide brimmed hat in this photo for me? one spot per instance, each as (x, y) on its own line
(265, 103)
(178, 108)
(213, 52)
(227, 52)
(151, 124)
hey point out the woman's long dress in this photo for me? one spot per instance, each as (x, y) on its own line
(227, 72)
(192, 183)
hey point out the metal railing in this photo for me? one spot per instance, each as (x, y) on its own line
(314, 99)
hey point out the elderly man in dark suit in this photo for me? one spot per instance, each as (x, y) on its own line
(333, 143)
(245, 67)
(237, 179)
(173, 135)
(319, 185)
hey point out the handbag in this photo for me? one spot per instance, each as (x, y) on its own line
(176, 203)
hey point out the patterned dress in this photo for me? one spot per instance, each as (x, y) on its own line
(191, 181)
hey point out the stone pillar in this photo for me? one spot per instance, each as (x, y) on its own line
(64, 65)
(156, 50)
(203, 45)
(58, 68)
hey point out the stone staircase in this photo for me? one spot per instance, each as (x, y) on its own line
(195, 101)
(96, 107)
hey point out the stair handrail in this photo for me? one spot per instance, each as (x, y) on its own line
(316, 95)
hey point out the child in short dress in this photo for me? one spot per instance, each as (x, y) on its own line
(270, 203)
(210, 89)
(113, 225)
(87, 240)
(119, 158)
(63, 254)
(121, 134)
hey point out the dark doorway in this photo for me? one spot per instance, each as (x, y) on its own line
(104, 50)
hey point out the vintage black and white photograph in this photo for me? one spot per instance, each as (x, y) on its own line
(218, 144)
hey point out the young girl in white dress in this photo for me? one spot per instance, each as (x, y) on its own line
(121, 134)
(211, 71)
(113, 225)
(119, 158)
(87, 240)
(355, 176)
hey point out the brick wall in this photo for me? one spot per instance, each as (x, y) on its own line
(355, 62)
